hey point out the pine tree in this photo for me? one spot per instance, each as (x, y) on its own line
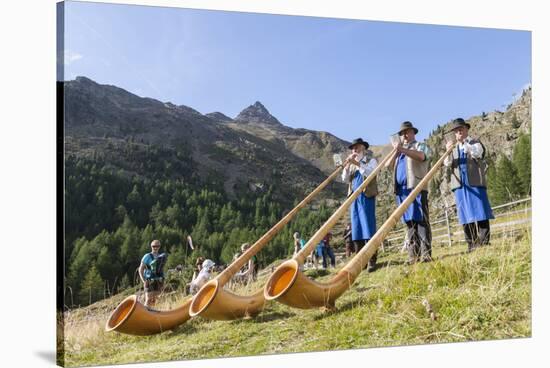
(491, 181)
(91, 288)
(124, 283)
(177, 256)
(507, 185)
(522, 162)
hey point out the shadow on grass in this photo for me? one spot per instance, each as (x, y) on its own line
(184, 329)
(389, 263)
(397, 263)
(349, 305)
(459, 253)
(346, 307)
(267, 317)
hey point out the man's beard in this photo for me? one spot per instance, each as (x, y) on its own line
(360, 156)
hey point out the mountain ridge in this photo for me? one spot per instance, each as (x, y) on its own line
(254, 146)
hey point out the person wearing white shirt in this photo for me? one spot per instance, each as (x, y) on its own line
(410, 164)
(203, 276)
(357, 166)
(469, 185)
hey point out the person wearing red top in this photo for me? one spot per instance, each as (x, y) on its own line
(328, 252)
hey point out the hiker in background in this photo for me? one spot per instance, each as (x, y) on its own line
(357, 166)
(318, 253)
(328, 252)
(203, 276)
(236, 256)
(350, 247)
(196, 271)
(151, 273)
(198, 267)
(250, 270)
(298, 242)
(410, 165)
(469, 184)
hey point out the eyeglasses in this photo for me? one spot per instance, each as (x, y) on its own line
(155, 246)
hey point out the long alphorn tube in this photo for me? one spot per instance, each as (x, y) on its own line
(214, 302)
(291, 287)
(133, 318)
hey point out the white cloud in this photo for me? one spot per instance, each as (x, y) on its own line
(71, 56)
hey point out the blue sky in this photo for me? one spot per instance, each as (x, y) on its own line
(352, 78)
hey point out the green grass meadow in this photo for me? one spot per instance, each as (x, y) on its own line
(483, 295)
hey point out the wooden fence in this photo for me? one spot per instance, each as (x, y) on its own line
(509, 219)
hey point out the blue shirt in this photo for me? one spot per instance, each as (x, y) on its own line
(153, 266)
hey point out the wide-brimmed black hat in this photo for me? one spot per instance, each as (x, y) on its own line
(407, 125)
(359, 141)
(457, 123)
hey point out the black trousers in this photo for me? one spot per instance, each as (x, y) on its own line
(477, 234)
(419, 233)
(328, 253)
(359, 245)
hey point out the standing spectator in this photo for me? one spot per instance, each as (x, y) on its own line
(202, 278)
(328, 252)
(198, 267)
(151, 273)
(469, 184)
(298, 242)
(196, 271)
(250, 270)
(318, 253)
(410, 165)
(350, 247)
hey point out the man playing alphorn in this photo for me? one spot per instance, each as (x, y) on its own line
(469, 184)
(410, 165)
(358, 165)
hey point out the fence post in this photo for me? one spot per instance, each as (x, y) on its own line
(447, 222)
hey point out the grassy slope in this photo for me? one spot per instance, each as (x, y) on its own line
(483, 295)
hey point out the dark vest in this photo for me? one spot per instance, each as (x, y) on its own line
(416, 170)
(476, 168)
(372, 188)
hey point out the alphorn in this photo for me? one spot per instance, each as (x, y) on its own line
(133, 318)
(290, 286)
(214, 302)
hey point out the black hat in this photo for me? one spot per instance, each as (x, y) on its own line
(458, 122)
(359, 141)
(407, 125)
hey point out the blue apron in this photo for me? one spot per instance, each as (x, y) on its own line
(362, 212)
(414, 211)
(472, 203)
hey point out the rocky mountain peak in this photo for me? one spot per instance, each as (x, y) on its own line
(218, 116)
(82, 79)
(257, 113)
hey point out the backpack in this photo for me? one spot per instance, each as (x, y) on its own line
(156, 267)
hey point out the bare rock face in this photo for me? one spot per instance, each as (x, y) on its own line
(219, 117)
(257, 114)
(118, 126)
(316, 147)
